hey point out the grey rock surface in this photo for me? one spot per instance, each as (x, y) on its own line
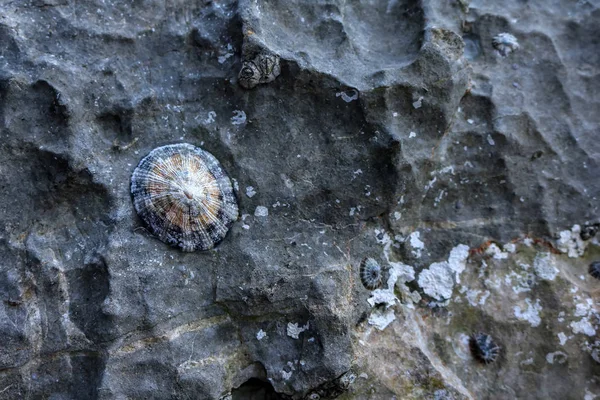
(395, 130)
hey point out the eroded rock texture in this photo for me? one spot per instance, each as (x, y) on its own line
(395, 130)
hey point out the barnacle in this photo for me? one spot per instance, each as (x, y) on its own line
(484, 348)
(594, 269)
(505, 43)
(249, 75)
(370, 274)
(589, 231)
(184, 196)
(264, 68)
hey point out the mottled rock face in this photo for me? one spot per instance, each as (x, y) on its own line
(410, 135)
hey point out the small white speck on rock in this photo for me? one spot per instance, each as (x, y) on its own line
(293, 330)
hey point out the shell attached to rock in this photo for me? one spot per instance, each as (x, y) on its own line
(594, 269)
(264, 68)
(184, 196)
(484, 348)
(505, 43)
(371, 274)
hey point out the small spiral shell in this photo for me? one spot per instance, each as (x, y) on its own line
(371, 274)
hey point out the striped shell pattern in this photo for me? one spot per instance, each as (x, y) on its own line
(184, 196)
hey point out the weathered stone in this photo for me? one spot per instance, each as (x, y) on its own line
(394, 131)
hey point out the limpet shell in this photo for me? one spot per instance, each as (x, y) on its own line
(184, 196)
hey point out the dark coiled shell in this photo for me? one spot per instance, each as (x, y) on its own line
(594, 269)
(371, 274)
(184, 196)
(484, 348)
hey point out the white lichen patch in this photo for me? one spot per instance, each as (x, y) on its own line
(386, 296)
(544, 266)
(294, 330)
(261, 211)
(583, 326)
(260, 335)
(494, 251)
(570, 242)
(382, 296)
(439, 279)
(520, 282)
(398, 275)
(380, 319)
(382, 237)
(586, 311)
(562, 338)
(458, 259)
(589, 395)
(250, 192)
(531, 314)
(417, 245)
(476, 297)
(510, 247)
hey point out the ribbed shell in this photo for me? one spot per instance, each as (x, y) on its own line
(484, 348)
(184, 196)
(370, 274)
